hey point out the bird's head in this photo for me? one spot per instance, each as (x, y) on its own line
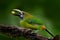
(18, 13)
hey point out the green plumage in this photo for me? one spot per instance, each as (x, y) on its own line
(32, 23)
(28, 21)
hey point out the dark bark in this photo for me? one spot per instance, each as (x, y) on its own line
(57, 37)
(27, 33)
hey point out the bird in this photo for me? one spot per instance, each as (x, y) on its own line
(29, 21)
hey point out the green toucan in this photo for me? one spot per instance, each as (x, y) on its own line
(29, 21)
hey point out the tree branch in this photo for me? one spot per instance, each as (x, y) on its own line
(18, 31)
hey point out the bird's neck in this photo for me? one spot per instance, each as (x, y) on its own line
(28, 16)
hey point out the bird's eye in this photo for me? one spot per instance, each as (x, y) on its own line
(21, 15)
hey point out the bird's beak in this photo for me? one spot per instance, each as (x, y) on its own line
(16, 12)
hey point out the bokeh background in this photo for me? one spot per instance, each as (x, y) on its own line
(47, 10)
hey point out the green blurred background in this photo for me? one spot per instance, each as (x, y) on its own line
(47, 10)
